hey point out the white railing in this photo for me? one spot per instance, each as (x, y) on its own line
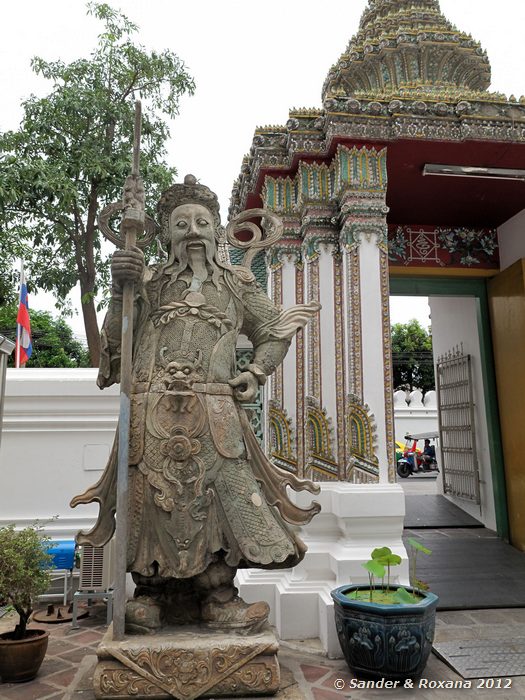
(415, 413)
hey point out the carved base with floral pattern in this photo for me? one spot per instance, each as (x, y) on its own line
(187, 663)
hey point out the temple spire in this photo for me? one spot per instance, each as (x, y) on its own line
(408, 47)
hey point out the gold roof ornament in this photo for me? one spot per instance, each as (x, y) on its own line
(405, 48)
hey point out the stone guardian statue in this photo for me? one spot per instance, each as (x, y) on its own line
(203, 498)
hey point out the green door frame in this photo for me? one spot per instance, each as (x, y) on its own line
(472, 287)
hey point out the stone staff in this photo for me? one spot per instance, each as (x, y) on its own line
(133, 223)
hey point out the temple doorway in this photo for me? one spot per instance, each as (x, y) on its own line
(471, 475)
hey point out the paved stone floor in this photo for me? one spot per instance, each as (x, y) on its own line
(307, 675)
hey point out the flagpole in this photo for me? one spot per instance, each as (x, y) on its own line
(18, 326)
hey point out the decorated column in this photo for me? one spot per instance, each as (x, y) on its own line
(285, 385)
(321, 438)
(341, 369)
(363, 239)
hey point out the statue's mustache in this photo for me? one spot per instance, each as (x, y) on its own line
(179, 259)
(179, 251)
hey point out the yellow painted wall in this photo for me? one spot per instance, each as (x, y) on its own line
(507, 314)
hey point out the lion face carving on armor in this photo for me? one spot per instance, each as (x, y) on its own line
(181, 374)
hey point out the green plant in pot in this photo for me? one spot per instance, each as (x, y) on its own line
(24, 575)
(385, 630)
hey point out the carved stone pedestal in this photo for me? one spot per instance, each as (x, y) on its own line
(187, 663)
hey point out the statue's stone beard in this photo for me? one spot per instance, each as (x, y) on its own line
(179, 260)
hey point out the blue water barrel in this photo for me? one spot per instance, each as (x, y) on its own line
(63, 553)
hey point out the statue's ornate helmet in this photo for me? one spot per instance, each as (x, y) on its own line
(187, 192)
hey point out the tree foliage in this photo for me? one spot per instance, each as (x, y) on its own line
(24, 570)
(54, 344)
(412, 357)
(8, 285)
(71, 155)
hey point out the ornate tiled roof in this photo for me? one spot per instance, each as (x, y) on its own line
(407, 74)
(408, 47)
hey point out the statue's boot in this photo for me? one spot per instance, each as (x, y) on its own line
(143, 615)
(235, 614)
(221, 606)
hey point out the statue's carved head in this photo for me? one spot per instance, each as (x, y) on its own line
(192, 223)
(182, 195)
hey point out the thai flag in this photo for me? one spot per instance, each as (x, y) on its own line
(24, 347)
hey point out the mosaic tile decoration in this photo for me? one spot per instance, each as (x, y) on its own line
(484, 658)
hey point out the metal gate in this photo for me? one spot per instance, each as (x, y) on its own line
(456, 426)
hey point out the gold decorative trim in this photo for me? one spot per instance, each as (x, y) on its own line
(320, 456)
(281, 438)
(387, 363)
(314, 345)
(403, 271)
(362, 431)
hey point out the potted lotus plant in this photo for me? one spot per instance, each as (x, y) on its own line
(24, 575)
(386, 630)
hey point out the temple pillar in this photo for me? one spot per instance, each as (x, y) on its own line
(370, 421)
(285, 412)
(299, 372)
(343, 416)
(322, 437)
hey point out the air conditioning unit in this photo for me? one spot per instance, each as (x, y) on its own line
(97, 567)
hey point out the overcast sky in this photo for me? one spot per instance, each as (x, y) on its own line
(251, 61)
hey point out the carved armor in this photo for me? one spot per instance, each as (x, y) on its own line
(199, 483)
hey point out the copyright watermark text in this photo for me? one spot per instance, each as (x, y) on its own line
(480, 683)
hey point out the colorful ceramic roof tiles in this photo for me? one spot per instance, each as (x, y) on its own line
(408, 73)
(407, 46)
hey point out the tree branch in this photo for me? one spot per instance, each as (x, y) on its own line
(130, 87)
(65, 223)
(89, 231)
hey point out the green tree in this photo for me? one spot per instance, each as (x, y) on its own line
(412, 357)
(24, 571)
(72, 153)
(54, 344)
(8, 285)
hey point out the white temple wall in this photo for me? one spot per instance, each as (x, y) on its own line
(58, 430)
(454, 322)
(511, 240)
(372, 339)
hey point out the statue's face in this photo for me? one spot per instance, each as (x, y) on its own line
(193, 225)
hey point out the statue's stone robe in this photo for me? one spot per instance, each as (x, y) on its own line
(198, 481)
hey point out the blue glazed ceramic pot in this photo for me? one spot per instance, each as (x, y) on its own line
(385, 641)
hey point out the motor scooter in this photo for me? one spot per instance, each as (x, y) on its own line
(414, 460)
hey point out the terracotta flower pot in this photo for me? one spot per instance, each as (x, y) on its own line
(20, 659)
